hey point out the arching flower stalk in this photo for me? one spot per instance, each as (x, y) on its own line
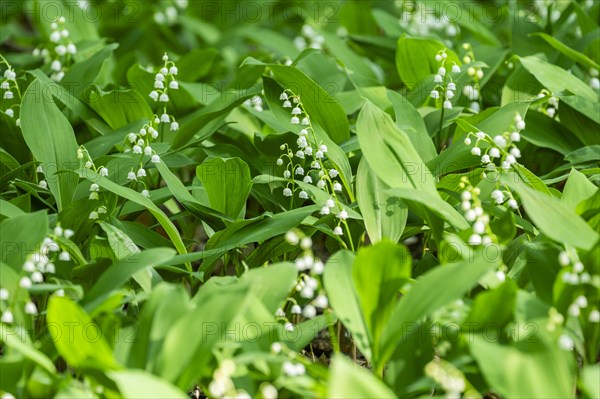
(10, 87)
(472, 91)
(309, 163)
(60, 50)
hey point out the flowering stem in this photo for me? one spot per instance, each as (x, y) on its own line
(349, 236)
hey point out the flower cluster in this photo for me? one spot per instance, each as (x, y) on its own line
(576, 274)
(581, 308)
(501, 147)
(444, 89)
(472, 90)
(308, 285)
(222, 385)
(420, 21)
(255, 102)
(35, 266)
(168, 15)
(60, 51)
(550, 103)
(140, 144)
(163, 81)
(447, 376)
(594, 81)
(309, 163)
(309, 39)
(88, 163)
(9, 84)
(474, 214)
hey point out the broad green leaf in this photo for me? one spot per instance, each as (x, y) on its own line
(136, 384)
(227, 183)
(577, 189)
(120, 272)
(138, 198)
(574, 55)
(77, 338)
(347, 380)
(510, 370)
(9, 336)
(214, 113)
(167, 303)
(123, 246)
(119, 107)
(590, 377)
(358, 67)
(271, 284)
(554, 218)
(378, 274)
(77, 106)
(242, 232)
(415, 59)
(389, 151)
(186, 357)
(384, 217)
(212, 217)
(342, 295)
(434, 203)
(9, 210)
(410, 121)
(494, 306)
(84, 73)
(20, 235)
(426, 296)
(321, 107)
(556, 79)
(196, 63)
(51, 139)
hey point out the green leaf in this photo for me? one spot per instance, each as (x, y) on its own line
(119, 107)
(577, 189)
(212, 217)
(167, 303)
(556, 79)
(434, 203)
(574, 55)
(123, 246)
(120, 272)
(227, 183)
(51, 139)
(415, 59)
(70, 328)
(9, 337)
(390, 152)
(138, 198)
(242, 232)
(77, 106)
(342, 295)
(384, 217)
(554, 218)
(212, 115)
(82, 74)
(590, 376)
(510, 370)
(136, 384)
(426, 296)
(347, 380)
(378, 274)
(320, 106)
(9, 210)
(410, 121)
(20, 235)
